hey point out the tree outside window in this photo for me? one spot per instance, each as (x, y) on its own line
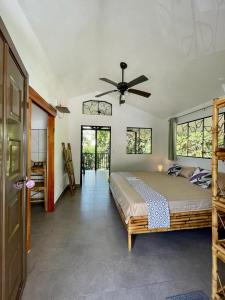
(139, 140)
(194, 138)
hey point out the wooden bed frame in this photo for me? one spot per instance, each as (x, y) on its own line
(178, 221)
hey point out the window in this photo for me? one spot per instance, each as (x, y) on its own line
(94, 107)
(194, 138)
(139, 140)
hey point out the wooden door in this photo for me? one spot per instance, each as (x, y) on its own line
(13, 171)
(1, 161)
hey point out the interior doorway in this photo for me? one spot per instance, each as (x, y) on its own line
(95, 149)
(39, 157)
(41, 128)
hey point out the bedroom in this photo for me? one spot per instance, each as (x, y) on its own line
(81, 249)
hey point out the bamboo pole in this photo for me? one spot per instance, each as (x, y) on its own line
(216, 102)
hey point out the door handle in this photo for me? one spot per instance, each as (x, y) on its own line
(19, 184)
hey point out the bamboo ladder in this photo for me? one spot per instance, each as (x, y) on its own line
(218, 206)
(67, 155)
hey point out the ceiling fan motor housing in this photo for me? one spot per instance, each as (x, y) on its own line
(122, 87)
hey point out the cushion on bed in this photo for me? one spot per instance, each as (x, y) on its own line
(201, 177)
(187, 172)
(174, 170)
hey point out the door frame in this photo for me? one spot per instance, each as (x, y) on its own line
(35, 98)
(9, 46)
(94, 127)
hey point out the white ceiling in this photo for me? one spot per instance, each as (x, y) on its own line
(179, 44)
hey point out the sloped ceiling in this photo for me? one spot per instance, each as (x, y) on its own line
(178, 44)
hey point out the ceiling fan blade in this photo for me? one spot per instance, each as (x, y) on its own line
(102, 94)
(137, 80)
(109, 81)
(140, 93)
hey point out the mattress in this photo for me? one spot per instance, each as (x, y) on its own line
(182, 195)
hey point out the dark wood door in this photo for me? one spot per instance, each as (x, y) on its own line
(1, 161)
(13, 171)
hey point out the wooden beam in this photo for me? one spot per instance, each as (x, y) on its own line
(38, 100)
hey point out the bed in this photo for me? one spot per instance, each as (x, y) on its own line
(189, 205)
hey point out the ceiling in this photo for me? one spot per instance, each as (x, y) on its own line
(178, 44)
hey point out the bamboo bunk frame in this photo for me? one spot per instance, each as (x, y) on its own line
(178, 221)
(218, 206)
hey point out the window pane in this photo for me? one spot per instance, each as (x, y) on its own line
(131, 142)
(144, 142)
(195, 138)
(182, 138)
(95, 107)
(90, 108)
(139, 140)
(105, 108)
(207, 144)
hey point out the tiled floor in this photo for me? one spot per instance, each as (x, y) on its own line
(80, 252)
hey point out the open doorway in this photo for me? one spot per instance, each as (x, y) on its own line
(95, 150)
(39, 157)
(41, 127)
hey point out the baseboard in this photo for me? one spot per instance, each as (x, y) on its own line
(62, 194)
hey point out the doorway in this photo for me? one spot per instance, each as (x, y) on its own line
(41, 128)
(95, 150)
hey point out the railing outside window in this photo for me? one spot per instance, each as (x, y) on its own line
(89, 163)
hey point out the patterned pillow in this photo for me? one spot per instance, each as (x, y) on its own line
(174, 170)
(201, 178)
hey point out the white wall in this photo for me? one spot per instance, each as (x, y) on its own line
(39, 124)
(122, 116)
(41, 76)
(39, 118)
(198, 162)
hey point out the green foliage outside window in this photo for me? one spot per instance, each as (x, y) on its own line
(139, 140)
(194, 138)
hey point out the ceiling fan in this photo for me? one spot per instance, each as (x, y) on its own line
(123, 86)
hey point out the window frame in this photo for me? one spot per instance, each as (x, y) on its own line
(98, 102)
(135, 127)
(203, 120)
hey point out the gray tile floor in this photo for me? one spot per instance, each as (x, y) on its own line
(80, 252)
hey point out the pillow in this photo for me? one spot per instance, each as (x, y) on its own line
(201, 178)
(174, 170)
(187, 172)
